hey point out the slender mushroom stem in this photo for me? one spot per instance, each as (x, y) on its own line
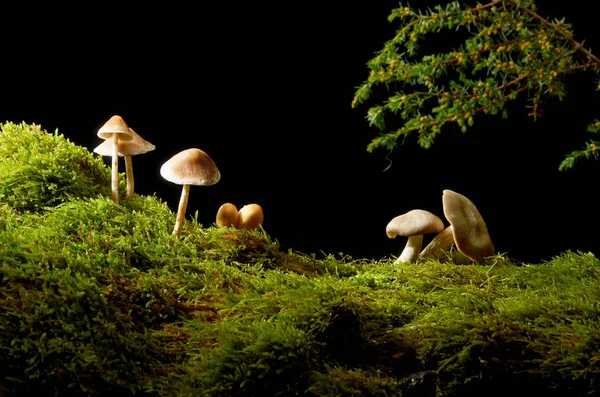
(129, 173)
(439, 245)
(181, 209)
(115, 169)
(411, 250)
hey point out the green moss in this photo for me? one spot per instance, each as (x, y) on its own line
(38, 169)
(102, 299)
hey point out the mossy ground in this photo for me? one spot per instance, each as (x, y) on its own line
(102, 299)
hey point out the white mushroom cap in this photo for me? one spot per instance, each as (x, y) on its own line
(413, 224)
(115, 125)
(191, 167)
(251, 216)
(468, 227)
(136, 145)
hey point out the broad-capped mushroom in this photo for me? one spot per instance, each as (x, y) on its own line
(468, 227)
(439, 245)
(115, 129)
(413, 224)
(250, 216)
(137, 145)
(189, 167)
(227, 215)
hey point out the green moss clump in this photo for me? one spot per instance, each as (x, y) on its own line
(38, 169)
(102, 299)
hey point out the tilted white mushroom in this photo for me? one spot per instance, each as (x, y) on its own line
(413, 224)
(468, 227)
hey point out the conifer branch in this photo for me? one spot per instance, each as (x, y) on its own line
(511, 50)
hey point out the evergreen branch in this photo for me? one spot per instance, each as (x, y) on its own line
(484, 6)
(592, 150)
(483, 51)
(567, 36)
(506, 96)
(511, 49)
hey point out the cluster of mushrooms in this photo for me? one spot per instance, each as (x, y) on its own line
(467, 231)
(188, 167)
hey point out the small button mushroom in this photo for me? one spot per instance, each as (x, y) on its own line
(227, 215)
(250, 216)
(413, 224)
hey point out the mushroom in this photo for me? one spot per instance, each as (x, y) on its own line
(227, 215)
(468, 227)
(439, 245)
(250, 217)
(115, 129)
(413, 224)
(189, 167)
(137, 145)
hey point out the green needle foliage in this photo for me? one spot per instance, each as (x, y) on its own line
(98, 299)
(505, 51)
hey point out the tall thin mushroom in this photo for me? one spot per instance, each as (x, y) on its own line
(189, 167)
(115, 130)
(127, 149)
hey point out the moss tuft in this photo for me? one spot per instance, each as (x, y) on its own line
(39, 170)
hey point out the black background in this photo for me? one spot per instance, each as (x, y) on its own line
(265, 90)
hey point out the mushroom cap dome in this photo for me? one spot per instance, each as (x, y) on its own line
(136, 145)
(115, 125)
(250, 216)
(227, 215)
(413, 223)
(191, 167)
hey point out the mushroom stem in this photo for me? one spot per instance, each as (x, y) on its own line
(439, 245)
(181, 209)
(129, 172)
(115, 169)
(411, 250)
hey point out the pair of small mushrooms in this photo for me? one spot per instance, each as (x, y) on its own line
(250, 216)
(467, 230)
(188, 167)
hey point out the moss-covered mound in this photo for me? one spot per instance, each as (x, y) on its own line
(38, 169)
(102, 299)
